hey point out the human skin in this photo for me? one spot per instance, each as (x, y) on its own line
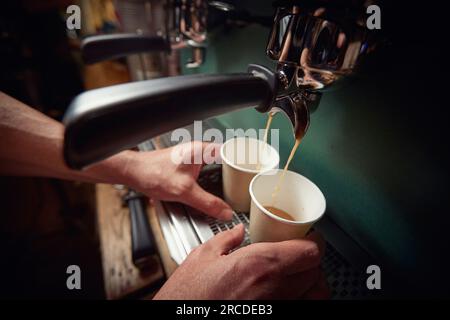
(31, 144)
(281, 270)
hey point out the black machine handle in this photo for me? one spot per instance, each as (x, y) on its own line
(110, 46)
(142, 241)
(99, 123)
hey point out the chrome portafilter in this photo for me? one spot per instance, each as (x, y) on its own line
(315, 44)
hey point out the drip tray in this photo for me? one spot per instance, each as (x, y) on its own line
(346, 277)
(184, 228)
(345, 281)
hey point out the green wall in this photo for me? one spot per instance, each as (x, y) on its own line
(369, 148)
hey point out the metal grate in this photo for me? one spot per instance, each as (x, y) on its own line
(345, 281)
(240, 217)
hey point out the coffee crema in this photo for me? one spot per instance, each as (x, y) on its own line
(280, 213)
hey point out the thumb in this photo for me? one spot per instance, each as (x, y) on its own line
(207, 203)
(226, 241)
(319, 240)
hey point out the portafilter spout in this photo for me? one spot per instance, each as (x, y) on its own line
(314, 46)
(102, 122)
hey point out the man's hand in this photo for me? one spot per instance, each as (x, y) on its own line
(278, 270)
(32, 145)
(156, 174)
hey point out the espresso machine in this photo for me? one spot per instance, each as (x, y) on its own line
(314, 47)
(183, 26)
(315, 44)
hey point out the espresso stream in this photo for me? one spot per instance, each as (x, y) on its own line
(283, 174)
(266, 132)
(272, 208)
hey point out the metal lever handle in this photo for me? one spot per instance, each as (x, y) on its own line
(102, 122)
(104, 47)
(142, 241)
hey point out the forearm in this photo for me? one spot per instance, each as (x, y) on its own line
(31, 145)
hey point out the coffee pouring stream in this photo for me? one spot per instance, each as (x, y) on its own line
(314, 46)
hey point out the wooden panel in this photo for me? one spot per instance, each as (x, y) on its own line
(121, 277)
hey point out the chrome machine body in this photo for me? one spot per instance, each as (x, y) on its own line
(316, 44)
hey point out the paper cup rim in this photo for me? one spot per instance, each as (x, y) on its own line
(270, 214)
(254, 171)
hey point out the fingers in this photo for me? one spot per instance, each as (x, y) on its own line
(293, 256)
(195, 196)
(207, 203)
(211, 152)
(317, 238)
(319, 291)
(225, 241)
(198, 152)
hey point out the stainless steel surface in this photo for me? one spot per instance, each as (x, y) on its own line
(143, 17)
(186, 23)
(315, 44)
(182, 225)
(313, 52)
(344, 279)
(174, 243)
(344, 263)
(295, 108)
(182, 24)
(222, 5)
(312, 48)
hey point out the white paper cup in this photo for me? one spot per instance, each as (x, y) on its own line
(298, 196)
(242, 159)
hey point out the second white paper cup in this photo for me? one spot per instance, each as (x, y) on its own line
(298, 196)
(242, 159)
